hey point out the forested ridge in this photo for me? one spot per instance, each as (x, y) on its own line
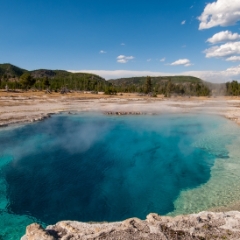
(54, 80)
(167, 85)
(13, 77)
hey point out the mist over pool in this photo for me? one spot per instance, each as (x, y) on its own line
(92, 167)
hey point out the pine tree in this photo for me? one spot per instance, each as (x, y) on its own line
(148, 85)
(26, 80)
(168, 89)
(46, 82)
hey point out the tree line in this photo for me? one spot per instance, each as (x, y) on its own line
(233, 88)
(77, 82)
(166, 88)
(88, 82)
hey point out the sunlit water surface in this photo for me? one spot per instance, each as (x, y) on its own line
(91, 167)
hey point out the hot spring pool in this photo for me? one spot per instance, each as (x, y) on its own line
(92, 167)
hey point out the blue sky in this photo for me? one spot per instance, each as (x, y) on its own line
(124, 38)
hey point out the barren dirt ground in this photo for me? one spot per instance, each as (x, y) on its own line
(19, 107)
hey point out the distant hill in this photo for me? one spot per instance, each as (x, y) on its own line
(155, 80)
(10, 75)
(167, 85)
(74, 81)
(10, 70)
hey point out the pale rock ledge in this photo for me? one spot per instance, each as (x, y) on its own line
(204, 225)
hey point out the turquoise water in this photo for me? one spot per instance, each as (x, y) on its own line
(91, 167)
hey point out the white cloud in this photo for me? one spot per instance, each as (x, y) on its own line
(185, 62)
(120, 57)
(162, 60)
(220, 13)
(233, 59)
(211, 76)
(183, 22)
(224, 36)
(124, 59)
(149, 60)
(102, 52)
(227, 49)
(122, 44)
(234, 71)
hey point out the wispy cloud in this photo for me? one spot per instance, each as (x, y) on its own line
(149, 60)
(122, 44)
(124, 59)
(220, 13)
(102, 51)
(183, 22)
(184, 62)
(233, 59)
(163, 59)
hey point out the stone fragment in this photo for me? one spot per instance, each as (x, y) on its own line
(36, 232)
